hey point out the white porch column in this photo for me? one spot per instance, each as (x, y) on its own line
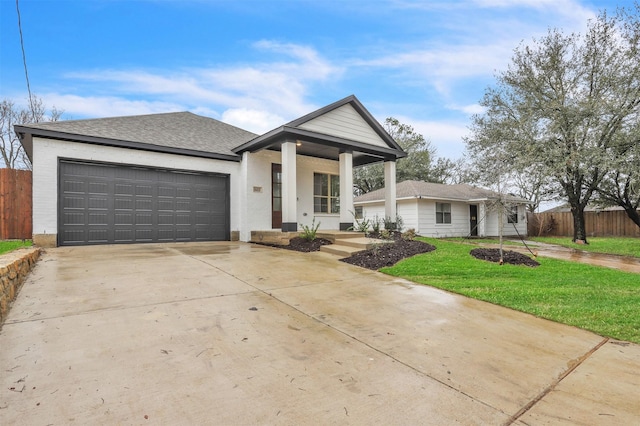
(390, 190)
(289, 193)
(346, 190)
(482, 220)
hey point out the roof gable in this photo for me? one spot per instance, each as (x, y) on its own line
(345, 122)
(346, 119)
(343, 126)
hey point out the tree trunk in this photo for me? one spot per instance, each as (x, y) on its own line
(633, 214)
(579, 226)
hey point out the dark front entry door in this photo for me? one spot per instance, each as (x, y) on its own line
(276, 196)
(473, 216)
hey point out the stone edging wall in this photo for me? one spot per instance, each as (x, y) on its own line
(14, 268)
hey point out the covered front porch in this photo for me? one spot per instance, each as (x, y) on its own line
(311, 161)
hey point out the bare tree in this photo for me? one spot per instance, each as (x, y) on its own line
(417, 165)
(11, 150)
(562, 105)
(621, 186)
(532, 184)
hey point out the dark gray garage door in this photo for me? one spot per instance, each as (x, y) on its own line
(110, 204)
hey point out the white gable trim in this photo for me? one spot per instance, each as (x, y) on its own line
(345, 122)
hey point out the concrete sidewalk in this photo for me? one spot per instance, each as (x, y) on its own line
(623, 263)
(233, 333)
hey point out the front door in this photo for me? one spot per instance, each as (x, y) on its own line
(473, 222)
(276, 196)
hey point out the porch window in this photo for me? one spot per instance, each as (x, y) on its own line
(512, 215)
(443, 212)
(326, 193)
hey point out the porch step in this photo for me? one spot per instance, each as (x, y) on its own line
(340, 250)
(339, 235)
(349, 245)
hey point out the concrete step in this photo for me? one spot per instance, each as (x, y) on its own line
(339, 235)
(363, 243)
(348, 246)
(340, 250)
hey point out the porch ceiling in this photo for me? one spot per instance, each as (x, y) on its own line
(320, 145)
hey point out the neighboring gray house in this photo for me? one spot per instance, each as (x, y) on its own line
(438, 210)
(183, 177)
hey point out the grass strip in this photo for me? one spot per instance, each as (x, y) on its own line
(605, 301)
(628, 246)
(10, 245)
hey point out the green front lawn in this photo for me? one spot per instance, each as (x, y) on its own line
(9, 245)
(629, 246)
(605, 301)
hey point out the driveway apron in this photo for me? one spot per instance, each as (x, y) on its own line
(234, 333)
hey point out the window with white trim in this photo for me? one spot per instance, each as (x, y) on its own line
(326, 193)
(443, 212)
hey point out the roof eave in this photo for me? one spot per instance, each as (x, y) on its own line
(26, 132)
(287, 132)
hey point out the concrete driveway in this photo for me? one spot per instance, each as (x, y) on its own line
(233, 333)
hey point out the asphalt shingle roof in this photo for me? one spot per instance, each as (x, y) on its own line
(182, 130)
(421, 189)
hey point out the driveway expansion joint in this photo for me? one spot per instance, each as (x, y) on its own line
(556, 382)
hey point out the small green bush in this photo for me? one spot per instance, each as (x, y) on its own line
(361, 225)
(409, 234)
(309, 232)
(385, 234)
(393, 224)
(375, 225)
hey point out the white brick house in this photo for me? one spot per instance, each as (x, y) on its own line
(183, 177)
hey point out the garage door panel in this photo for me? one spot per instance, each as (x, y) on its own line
(123, 218)
(98, 218)
(144, 204)
(76, 236)
(123, 235)
(74, 186)
(103, 203)
(74, 202)
(75, 218)
(166, 191)
(123, 189)
(123, 203)
(98, 235)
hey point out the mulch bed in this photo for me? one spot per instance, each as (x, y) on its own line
(511, 257)
(300, 244)
(388, 254)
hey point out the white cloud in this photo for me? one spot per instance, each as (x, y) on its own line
(256, 121)
(263, 92)
(467, 109)
(75, 106)
(480, 38)
(445, 136)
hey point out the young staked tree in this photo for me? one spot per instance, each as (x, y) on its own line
(562, 106)
(417, 165)
(11, 150)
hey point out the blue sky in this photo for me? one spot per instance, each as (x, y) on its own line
(258, 64)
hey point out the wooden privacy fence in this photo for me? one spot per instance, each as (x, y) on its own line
(609, 223)
(15, 204)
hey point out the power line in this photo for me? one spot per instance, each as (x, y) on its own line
(24, 61)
